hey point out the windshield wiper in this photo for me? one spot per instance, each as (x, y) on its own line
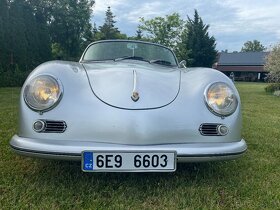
(161, 62)
(95, 60)
(130, 57)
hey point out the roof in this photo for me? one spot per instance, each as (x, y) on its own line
(231, 68)
(242, 58)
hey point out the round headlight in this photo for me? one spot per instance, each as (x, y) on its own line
(42, 93)
(221, 99)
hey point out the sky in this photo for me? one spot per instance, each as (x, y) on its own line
(232, 22)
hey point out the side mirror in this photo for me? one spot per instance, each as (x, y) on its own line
(183, 64)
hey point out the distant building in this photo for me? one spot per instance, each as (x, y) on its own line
(246, 66)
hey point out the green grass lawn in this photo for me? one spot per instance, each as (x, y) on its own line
(251, 182)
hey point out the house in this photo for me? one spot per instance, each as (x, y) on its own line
(245, 66)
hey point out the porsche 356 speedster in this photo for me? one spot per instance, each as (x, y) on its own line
(128, 106)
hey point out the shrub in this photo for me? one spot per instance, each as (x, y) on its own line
(271, 88)
(273, 77)
(272, 64)
(277, 93)
(12, 77)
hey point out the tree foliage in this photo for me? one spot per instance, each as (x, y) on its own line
(31, 30)
(108, 30)
(163, 30)
(4, 24)
(253, 46)
(139, 34)
(272, 64)
(24, 41)
(200, 45)
(189, 39)
(69, 24)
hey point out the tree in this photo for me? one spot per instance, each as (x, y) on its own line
(199, 44)
(4, 18)
(87, 38)
(253, 46)
(182, 51)
(69, 25)
(272, 64)
(30, 30)
(24, 40)
(108, 29)
(28, 40)
(139, 34)
(163, 30)
(95, 33)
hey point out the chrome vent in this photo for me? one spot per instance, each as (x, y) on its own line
(209, 129)
(52, 126)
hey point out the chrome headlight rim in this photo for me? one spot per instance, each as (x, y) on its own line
(213, 111)
(60, 95)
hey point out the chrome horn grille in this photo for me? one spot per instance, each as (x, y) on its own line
(49, 126)
(213, 129)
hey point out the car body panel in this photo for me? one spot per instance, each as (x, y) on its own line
(169, 116)
(73, 149)
(113, 83)
(175, 123)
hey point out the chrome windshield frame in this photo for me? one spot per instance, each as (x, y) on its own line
(132, 41)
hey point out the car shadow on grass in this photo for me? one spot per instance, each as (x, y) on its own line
(188, 171)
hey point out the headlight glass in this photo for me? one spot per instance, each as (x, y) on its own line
(221, 99)
(42, 93)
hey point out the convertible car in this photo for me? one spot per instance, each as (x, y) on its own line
(128, 106)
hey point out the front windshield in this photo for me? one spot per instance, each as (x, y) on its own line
(119, 50)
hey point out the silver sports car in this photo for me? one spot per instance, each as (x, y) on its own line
(128, 106)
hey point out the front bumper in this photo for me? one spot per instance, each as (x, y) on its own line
(71, 150)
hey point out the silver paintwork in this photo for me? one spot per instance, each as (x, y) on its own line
(100, 114)
(112, 83)
(187, 152)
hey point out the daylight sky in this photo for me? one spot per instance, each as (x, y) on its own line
(232, 22)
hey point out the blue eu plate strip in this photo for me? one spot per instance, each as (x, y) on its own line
(88, 161)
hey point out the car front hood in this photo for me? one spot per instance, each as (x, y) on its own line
(114, 84)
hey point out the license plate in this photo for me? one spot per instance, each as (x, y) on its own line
(107, 161)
